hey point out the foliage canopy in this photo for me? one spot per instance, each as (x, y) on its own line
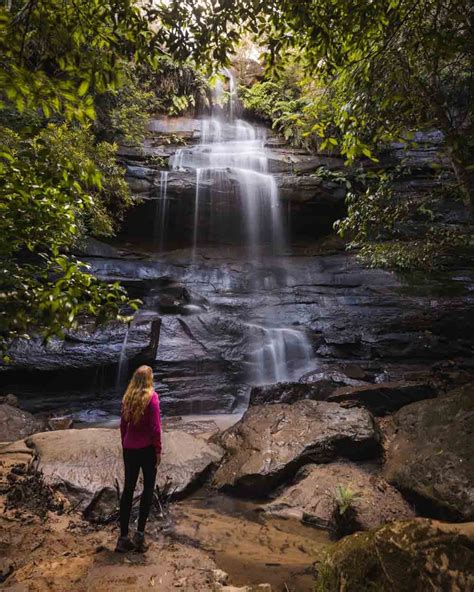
(77, 75)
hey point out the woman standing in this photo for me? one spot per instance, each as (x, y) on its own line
(140, 427)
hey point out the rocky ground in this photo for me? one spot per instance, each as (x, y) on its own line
(254, 503)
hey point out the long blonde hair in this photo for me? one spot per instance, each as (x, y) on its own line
(138, 394)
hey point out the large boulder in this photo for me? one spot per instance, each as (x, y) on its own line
(188, 460)
(316, 385)
(431, 454)
(312, 498)
(86, 465)
(405, 556)
(290, 392)
(16, 424)
(270, 443)
(382, 398)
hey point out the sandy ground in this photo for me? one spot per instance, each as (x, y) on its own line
(200, 538)
(65, 553)
(250, 547)
(200, 535)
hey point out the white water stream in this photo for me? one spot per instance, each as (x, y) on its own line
(232, 174)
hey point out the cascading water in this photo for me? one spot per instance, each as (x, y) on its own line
(233, 183)
(236, 193)
(278, 354)
(122, 367)
(161, 215)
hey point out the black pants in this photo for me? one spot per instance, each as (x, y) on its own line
(134, 460)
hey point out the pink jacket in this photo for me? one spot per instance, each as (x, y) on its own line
(147, 432)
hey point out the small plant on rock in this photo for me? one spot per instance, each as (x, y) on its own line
(344, 514)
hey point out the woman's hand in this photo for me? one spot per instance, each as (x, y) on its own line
(158, 459)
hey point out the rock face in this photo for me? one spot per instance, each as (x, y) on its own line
(361, 318)
(86, 465)
(431, 455)
(382, 398)
(311, 498)
(270, 443)
(406, 556)
(213, 301)
(16, 424)
(84, 348)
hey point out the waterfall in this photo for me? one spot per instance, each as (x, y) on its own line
(161, 215)
(233, 182)
(196, 213)
(236, 201)
(122, 367)
(278, 354)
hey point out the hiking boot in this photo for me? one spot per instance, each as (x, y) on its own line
(124, 544)
(139, 542)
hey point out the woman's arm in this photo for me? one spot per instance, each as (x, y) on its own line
(156, 422)
(123, 428)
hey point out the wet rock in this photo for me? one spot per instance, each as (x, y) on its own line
(304, 188)
(382, 398)
(291, 160)
(16, 424)
(290, 392)
(88, 347)
(402, 557)
(10, 399)
(311, 498)
(91, 247)
(430, 456)
(187, 461)
(315, 385)
(270, 443)
(86, 465)
(138, 186)
(176, 126)
(64, 422)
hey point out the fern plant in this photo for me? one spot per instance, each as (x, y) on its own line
(343, 519)
(345, 498)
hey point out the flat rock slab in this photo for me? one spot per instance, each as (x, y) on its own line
(187, 461)
(311, 498)
(16, 424)
(86, 465)
(270, 443)
(382, 398)
(405, 556)
(431, 455)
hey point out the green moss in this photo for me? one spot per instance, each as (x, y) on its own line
(406, 556)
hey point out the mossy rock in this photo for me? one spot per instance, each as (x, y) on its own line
(406, 556)
(431, 456)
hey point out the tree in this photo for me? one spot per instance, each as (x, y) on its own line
(388, 65)
(56, 182)
(62, 64)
